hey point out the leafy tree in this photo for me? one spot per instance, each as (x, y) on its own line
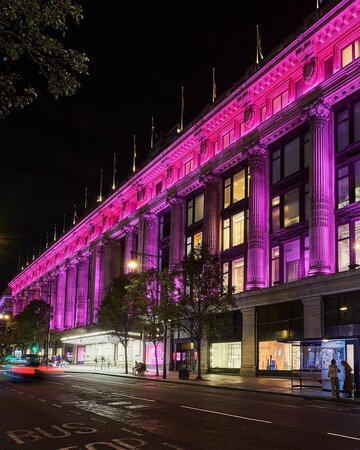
(121, 312)
(202, 297)
(156, 292)
(6, 336)
(33, 53)
(31, 325)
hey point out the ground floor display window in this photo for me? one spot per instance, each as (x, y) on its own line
(225, 355)
(150, 358)
(274, 355)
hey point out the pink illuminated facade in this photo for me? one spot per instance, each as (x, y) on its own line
(269, 177)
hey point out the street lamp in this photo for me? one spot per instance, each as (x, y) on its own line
(4, 317)
(133, 263)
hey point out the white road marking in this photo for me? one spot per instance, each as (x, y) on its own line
(225, 414)
(55, 382)
(119, 403)
(29, 395)
(98, 420)
(76, 412)
(13, 390)
(344, 436)
(137, 406)
(135, 398)
(131, 432)
(21, 393)
(171, 446)
(41, 400)
(57, 406)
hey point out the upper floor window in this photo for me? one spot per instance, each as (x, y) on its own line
(347, 126)
(348, 248)
(291, 157)
(280, 101)
(290, 261)
(164, 225)
(234, 275)
(195, 210)
(228, 138)
(158, 188)
(216, 149)
(263, 114)
(285, 210)
(193, 241)
(189, 165)
(235, 188)
(349, 53)
(328, 67)
(348, 184)
(234, 230)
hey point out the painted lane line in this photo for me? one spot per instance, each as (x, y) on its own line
(344, 436)
(135, 398)
(13, 390)
(21, 393)
(56, 406)
(172, 446)
(131, 432)
(136, 406)
(41, 400)
(29, 395)
(55, 382)
(97, 420)
(75, 412)
(225, 414)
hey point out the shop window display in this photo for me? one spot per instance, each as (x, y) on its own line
(225, 355)
(275, 355)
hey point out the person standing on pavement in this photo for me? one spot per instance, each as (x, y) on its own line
(349, 379)
(333, 374)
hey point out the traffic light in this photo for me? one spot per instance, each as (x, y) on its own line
(34, 347)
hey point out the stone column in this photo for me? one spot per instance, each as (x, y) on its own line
(97, 280)
(82, 292)
(321, 191)
(248, 343)
(70, 296)
(177, 232)
(130, 244)
(60, 298)
(313, 318)
(257, 263)
(53, 296)
(151, 232)
(211, 211)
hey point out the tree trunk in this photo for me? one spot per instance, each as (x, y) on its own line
(165, 350)
(126, 356)
(156, 359)
(199, 363)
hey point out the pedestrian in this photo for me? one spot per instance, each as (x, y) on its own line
(349, 379)
(333, 374)
(96, 363)
(135, 368)
(108, 363)
(102, 362)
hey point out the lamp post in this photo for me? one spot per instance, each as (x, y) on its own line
(4, 317)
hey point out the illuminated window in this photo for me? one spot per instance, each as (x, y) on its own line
(238, 275)
(193, 242)
(189, 165)
(350, 53)
(343, 247)
(275, 213)
(228, 138)
(238, 228)
(226, 234)
(225, 270)
(292, 261)
(343, 186)
(280, 101)
(357, 242)
(198, 237)
(291, 208)
(275, 265)
(275, 355)
(235, 188)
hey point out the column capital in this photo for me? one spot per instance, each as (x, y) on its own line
(319, 110)
(256, 154)
(149, 219)
(175, 200)
(130, 230)
(209, 178)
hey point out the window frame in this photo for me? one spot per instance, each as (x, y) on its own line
(231, 185)
(230, 230)
(191, 205)
(230, 272)
(350, 107)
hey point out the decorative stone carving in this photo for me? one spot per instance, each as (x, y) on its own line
(256, 154)
(318, 111)
(309, 70)
(175, 200)
(249, 116)
(150, 220)
(130, 230)
(209, 178)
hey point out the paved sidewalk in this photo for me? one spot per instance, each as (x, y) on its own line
(266, 385)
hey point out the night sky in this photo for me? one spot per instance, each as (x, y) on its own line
(141, 53)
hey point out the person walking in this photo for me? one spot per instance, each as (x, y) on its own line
(349, 379)
(102, 362)
(96, 363)
(333, 374)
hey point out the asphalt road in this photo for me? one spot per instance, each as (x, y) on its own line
(97, 412)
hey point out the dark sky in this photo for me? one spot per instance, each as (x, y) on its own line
(141, 53)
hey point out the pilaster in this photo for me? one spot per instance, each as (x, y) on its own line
(70, 296)
(130, 244)
(60, 298)
(177, 233)
(248, 343)
(211, 211)
(313, 317)
(82, 292)
(151, 232)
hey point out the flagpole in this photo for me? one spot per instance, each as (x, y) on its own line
(64, 224)
(317, 4)
(75, 215)
(55, 233)
(47, 240)
(257, 44)
(134, 156)
(114, 173)
(85, 199)
(101, 183)
(152, 133)
(182, 109)
(213, 85)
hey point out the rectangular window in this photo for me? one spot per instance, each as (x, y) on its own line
(158, 188)
(216, 147)
(350, 53)
(342, 129)
(198, 237)
(343, 248)
(328, 68)
(226, 234)
(292, 261)
(227, 192)
(199, 207)
(357, 122)
(263, 114)
(235, 188)
(188, 245)
(237, 225)
(238, 275)
(275, 213)
(292, 157)
(357, 242)
(357, 180)
(189, 165)
(280, 101)
(343, 187)
(275, 265)
(225, 269)
(291, 208)
(277, 104)
(276, 166)
(190, 212)
(228, 138)
(299, 88)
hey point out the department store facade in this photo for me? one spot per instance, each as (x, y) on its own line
(269, 177)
